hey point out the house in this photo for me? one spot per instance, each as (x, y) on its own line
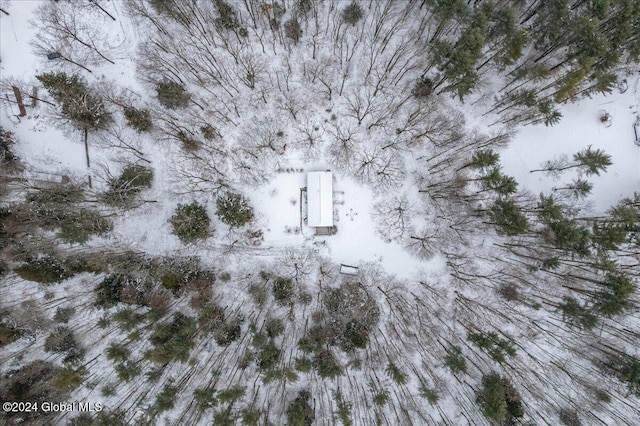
(320, 202)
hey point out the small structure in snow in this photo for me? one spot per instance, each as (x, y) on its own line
(348, 269)
(320, 202)
(636, 129)
(53, 55)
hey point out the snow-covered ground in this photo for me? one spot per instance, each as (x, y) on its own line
(579, 128)
(424, 310)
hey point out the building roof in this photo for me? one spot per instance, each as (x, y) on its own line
(319, 199)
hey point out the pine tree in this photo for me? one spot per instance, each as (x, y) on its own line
(234, 209)
(579, 187)
(548, 210)
(352, 13)
(508, 216)
(172, 95)
(614, 298)
(492, 398)
(593, 161)
(85, 109)
(139, 119)
(576, 314)
(299, 412)
(484, 158)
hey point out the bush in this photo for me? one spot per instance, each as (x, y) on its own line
(64, 314)
(491, 398)
(190, 222)
(398, 376)
(44, 270)
(172, 341)
(274, 327)
(133, 179)
(499, 400)
(68, 378)
(228, 19)
(299, 412)
(127, 370)
(282, 290)
(326, 364)
(423, 88)
(118, 288)
(268, 356)
(62, 340)
(293, 30)
(455, 360)
(117, 352)
(352, 13)
(9, 333)
(79, 226)
(172, 95)
(205, 398)
(234, 209)
(139, 119)
(34, 383)
(569, 417)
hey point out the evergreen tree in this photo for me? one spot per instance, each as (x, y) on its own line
(579, 187)
(299, 412)
(190, 222)
(234, 209)
(548, 210)
(576, 314)
(85, 109)
(615, 297)
(139, 119)
(567, 235)
(484, 159)
(508, 215)
(495, 181)
(592, 161)
(228, 19)
(293, 30)
(172, 95)
(352, 13)
(492, 398)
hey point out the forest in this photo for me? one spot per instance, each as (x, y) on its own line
(142, 261)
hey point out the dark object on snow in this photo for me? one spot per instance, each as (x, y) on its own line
(623, 86)
(636, 129)
(348, 269)
(53, 55)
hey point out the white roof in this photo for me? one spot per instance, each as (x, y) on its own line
(319, 199)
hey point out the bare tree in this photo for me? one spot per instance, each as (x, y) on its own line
(393, 216)
(381, 169)
(75, 29)
(344, 141)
